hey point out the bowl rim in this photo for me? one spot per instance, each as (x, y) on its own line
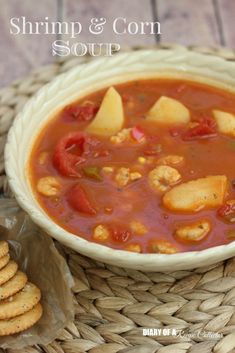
(20, 184)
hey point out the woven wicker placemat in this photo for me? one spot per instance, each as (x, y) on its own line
(113, 304)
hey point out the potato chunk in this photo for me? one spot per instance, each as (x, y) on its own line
(225, 122)
(168, 111)
(193, 232)
(193, 196)
(110, 117)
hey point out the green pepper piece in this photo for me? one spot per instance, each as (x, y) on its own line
(92, 172)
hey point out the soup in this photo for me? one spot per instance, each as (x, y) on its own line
(146, 166)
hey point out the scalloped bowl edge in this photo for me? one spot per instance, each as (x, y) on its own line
(78, 82)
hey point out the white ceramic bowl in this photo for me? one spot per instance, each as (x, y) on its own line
(80, 81)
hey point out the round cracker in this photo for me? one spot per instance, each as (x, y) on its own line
(21, 322)
(21, 302)
(4, 261)
(8, 272)
(4, 248)
(14, 285)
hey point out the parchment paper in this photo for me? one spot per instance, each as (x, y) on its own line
(36, 255)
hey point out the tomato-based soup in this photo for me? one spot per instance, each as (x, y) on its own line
(145, 166)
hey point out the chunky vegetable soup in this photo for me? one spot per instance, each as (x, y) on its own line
(145, 166)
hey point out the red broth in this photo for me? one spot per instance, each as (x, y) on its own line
(116, 207)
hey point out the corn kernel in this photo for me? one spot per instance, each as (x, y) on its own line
(142, 160)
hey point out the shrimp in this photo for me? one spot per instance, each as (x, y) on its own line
(194, 231)
(163, 177)
(162, 246)
(124, 176)
(48, 186)
(171, 159)
(121, 136)
(101, 233)
(138, 228)
(133, 247)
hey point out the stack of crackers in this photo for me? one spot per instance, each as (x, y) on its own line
(19, 299)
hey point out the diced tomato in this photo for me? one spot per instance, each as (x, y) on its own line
(65, 161)
(73, 150)
(206, 128)
(120, 234)
(224, 210)
(78, 199)
(137, 133)
(81, 112)
(227, 211)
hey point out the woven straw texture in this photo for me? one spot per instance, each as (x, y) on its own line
(112, 304)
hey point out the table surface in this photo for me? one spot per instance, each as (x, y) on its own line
(188, 22)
